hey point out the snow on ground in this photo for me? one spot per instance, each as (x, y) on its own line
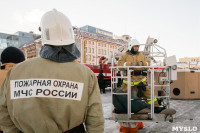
(187, 116)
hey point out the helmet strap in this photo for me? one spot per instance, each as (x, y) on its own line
(133, 52)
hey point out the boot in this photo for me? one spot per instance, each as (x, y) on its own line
(159, 109)
(144, 111)
(140, 117)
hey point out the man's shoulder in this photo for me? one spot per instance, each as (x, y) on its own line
(32, 60)
(86, 68)
(25, 64)
(126, 54)
(141, 54)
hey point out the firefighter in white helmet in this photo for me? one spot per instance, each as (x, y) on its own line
(52, 93)
(138, 77)
(134, 58)
(139, 89)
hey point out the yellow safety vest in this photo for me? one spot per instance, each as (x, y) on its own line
(135, 83)
(149, 102)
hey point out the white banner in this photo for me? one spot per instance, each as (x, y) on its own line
(49, 88)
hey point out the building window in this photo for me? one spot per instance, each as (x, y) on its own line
(92, 58)
(4, 41)
(104, 52)
(92, 50)
(77, 41)
(88, 50)
(89, 42)
(98, 59)
(85, 42)
(99, 51)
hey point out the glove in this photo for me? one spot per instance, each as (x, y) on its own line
(130, 64)
(118, 90)
(159, 109)
(140, 63)
(133, 64)
(141, 88)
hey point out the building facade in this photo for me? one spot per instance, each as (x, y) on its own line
(189, 62)
(31, 49)
(97, 31)
(25, 37)
(8, 40)
(189, 59)
(126, 38)
(95, 43)
(91, 45)
(16, 40)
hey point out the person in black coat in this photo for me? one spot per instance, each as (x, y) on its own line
(101, 81)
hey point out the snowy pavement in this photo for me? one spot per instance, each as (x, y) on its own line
(187, 118)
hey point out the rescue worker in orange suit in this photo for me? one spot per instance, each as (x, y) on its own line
(9, 57)
(52, 93)
(101, 81)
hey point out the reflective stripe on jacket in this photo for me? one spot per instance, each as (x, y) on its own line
(155, 100)
(135, 83)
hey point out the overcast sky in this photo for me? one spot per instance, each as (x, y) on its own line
(175, 23)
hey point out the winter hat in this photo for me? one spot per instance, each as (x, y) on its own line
(12, 55)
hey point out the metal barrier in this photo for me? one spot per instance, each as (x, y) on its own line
(151, 84)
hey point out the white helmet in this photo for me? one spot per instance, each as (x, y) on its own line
(56, 29)
(132, 43)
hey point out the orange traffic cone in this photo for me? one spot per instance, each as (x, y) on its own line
(140, 125)
(128, 129)
(131, 130)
